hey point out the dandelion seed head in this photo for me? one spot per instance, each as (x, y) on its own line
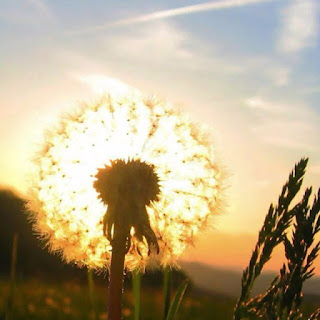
(67, 211)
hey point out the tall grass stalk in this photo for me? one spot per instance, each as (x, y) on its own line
(14, 254)
(167, 278)
(92, 295)
(283, 298)
(136, 288)
(177, 301)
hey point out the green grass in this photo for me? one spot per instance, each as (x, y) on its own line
(44, 300)
(37, 299)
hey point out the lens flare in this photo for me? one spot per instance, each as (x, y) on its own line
(65, 207)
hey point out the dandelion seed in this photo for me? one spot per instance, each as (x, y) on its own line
(175, 168)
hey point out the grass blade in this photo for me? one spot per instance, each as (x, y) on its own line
(177, 300)
(12, 276)
(92, 294)
(166, 290)
(136, 285)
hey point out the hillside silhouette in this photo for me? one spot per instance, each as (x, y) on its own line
(34, 260)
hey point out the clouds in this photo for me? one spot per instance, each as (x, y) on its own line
(41, 7)
(208, 6)
(161, 42)
(165, 46)
(208, 62)
(101, 84)
(299, 26)
(26, 13)
(281, 75)
(298, 29)
(284, 124)
(164, 14)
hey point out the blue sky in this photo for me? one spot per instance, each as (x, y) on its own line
(248, 69)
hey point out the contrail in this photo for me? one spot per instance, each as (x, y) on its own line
(212, 5)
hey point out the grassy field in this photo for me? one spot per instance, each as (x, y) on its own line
(36, 299)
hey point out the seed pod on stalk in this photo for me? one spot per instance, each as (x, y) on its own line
(124, 183)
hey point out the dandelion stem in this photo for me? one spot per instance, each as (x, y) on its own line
(116, 273)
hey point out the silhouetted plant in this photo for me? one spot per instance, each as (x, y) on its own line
(283, 298)
(124, 184)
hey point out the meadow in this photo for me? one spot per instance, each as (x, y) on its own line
(69, 299)
(35, 299)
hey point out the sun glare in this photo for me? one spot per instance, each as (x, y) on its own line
(66, 209)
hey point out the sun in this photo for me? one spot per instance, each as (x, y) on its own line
(67, 210)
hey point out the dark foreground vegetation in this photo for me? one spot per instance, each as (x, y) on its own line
(69, 299)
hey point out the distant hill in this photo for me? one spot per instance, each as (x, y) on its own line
(32, 258)
(228, 281)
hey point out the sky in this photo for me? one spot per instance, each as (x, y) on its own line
(249, 69)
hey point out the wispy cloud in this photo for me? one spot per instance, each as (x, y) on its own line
(42, 7)
(299, 25)
(101, 84)
(166, 42)
(28, 12)
(281, 76)
(165, 46)
(311, 90)
(292, 126)
(164, 14)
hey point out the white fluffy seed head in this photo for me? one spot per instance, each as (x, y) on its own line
(65, 207)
